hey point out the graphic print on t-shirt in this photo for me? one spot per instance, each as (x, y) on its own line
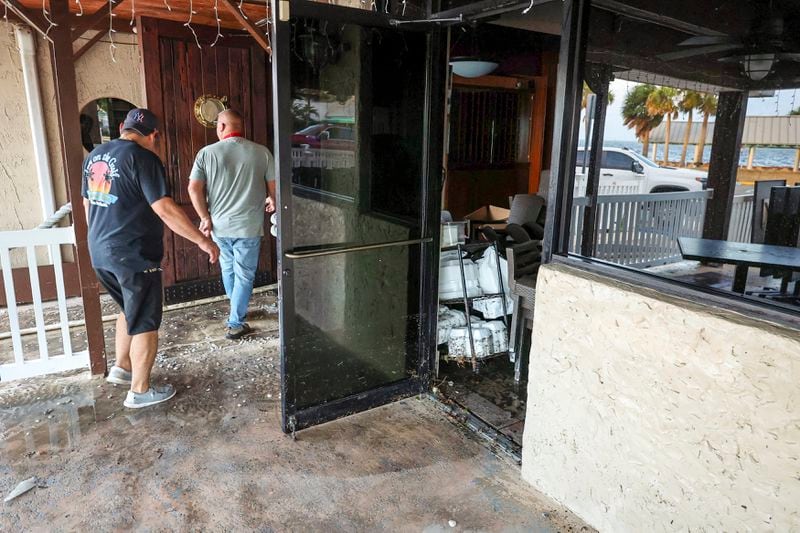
(100, 172)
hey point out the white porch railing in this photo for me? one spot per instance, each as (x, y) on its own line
(741, 225)
(45, 362)
(604, 189)
(641, 230)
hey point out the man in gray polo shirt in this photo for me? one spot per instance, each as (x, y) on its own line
(231, 186)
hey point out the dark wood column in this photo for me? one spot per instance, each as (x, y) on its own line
(598, 78)
(72, 152)
(724, 162)
(574, 36)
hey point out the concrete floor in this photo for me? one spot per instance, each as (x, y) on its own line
(214, 458)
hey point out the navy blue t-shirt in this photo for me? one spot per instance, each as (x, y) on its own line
(121, 179)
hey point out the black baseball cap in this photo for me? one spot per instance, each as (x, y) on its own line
(140, 120)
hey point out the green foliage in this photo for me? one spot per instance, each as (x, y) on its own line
(635, 114)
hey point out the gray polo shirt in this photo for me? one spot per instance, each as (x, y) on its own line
(235, 171)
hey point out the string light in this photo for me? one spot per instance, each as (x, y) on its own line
(269, 28)
(112, 46)
(47, 18)
(133, 11)
(188, 24)
(80, 7)
(528, 9)
(169, 8)
(403, 13)
(240, 9)
(216, 16)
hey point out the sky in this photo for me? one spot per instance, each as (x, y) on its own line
(781, 104)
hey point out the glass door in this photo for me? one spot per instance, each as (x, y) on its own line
(358, 110)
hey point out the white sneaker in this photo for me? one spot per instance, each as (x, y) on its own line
(119, 376)
(155, 394)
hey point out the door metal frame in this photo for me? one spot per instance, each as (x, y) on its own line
(294, 420)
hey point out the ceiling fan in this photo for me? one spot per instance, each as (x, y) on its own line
(764, 45)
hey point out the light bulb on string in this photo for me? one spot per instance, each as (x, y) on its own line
(80, 8)
(46, 17)
(269, 29)
(169, 8)
(240, 9)
(112, 45)
(216, 16)
(188, 24)
(403, 13)
(133, 11)
(528, 9)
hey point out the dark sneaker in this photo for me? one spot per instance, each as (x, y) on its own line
(119, 376)
(155, 395)
(238, 333)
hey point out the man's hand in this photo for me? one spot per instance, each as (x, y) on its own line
(209, 247)
(205, 227)
(270, 205)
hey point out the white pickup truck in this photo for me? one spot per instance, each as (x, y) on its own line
(624, 171)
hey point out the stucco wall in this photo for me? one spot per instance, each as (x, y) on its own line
(648, 413)
(97, 76)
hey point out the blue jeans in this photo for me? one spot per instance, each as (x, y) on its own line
(238, 260)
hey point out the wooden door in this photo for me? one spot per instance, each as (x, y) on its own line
(176, 73)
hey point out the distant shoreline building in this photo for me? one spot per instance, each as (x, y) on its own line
(759, 132)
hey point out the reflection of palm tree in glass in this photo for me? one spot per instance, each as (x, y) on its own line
(304, 114)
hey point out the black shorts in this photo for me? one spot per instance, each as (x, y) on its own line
(140, 296)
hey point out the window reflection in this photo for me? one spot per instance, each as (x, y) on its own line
(357, 112)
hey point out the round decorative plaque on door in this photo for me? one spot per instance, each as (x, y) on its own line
(207, 107)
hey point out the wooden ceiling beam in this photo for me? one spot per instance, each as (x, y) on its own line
(625, 9)
(86, 23)
(85, 47)
(252, 29)
(30, 17)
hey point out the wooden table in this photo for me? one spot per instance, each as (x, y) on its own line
(743, 255)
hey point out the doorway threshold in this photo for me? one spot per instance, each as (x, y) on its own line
(496, 441)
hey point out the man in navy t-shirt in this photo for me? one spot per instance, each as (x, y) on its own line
(127, 203)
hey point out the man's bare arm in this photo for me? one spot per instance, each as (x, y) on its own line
(271, 202)
(197, 194)
(174, 217)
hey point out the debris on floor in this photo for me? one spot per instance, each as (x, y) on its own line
(22, 488)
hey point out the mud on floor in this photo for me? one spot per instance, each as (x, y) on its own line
(215, 458)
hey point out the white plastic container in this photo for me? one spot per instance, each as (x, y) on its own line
(450, 285)
(454, 233)
(499, 337)
(458, 345)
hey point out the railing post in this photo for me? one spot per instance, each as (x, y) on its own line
(72, 152)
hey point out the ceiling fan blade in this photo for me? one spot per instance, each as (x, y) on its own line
(703, 50)
(707, 40)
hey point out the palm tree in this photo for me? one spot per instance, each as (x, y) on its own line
(690, 100)
(708, 106)
(663, 102)
(585, 99)
(636, 117)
